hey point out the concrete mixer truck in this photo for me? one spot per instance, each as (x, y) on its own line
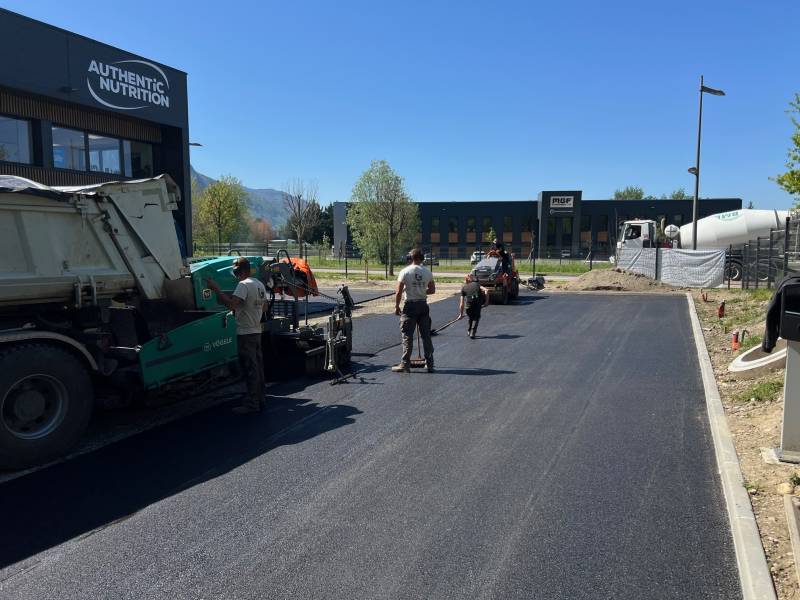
(96, 301)
(720, 231)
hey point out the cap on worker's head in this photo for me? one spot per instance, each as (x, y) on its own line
(417, 255)
(241, 266)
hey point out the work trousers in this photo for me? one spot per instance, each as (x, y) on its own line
(474, 316)
(252, 364)
(416, 314)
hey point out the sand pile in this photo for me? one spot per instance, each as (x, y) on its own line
(613, 280)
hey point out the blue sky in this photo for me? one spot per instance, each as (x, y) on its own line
(472, 100)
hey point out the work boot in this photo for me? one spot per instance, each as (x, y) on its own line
(401, 368)
(246, 410)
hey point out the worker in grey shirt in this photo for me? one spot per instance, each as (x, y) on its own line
(415, 282)
(248, 302)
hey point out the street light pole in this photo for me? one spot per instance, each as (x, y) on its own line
(696, 169)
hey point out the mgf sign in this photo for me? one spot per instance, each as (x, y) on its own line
(562, 202)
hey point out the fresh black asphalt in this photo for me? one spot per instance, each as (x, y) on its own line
(564, 454)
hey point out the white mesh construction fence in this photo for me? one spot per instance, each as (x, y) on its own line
(685, 268)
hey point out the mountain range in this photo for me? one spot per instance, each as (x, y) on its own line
(264, 203)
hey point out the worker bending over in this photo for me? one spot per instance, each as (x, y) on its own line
(498, 249)
(475, 297)
(415, 282)
(248, 303)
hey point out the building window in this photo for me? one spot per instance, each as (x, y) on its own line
(586, 232)
(602, 233)
(137, 157)
(677, 220)
(435, 236)
(69, 149)
(486, 229)
(508, 229)
(566, 232)
(104, 154)
(452, 230)
(15, 140)
(551, 232)
(472, 223)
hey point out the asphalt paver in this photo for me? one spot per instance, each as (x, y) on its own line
(565, 453)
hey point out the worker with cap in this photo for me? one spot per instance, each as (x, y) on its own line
(248, 303)
(415, 283)
(475, 297)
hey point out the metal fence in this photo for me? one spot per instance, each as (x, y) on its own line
(766, 260)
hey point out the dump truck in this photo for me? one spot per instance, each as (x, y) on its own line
(721, 231)
(502, 286)
(97, 302)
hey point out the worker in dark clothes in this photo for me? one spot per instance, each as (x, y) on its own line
(474, 297)
(499, 250)
(248, 302)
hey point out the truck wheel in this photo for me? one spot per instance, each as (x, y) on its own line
(733, 271)
(46, 401)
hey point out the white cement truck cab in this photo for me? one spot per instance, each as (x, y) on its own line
(638, 234)
(728, 230)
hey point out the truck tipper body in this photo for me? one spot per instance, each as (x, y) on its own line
(96, 301)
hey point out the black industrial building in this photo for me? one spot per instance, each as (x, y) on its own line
(74, 111)
(558, 224)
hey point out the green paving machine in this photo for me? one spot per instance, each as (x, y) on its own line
(97, 305)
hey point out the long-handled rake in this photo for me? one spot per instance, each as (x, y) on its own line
(419, 362)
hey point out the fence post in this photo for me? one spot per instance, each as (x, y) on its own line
(729, 264)
(786, 247)
(770, 279)
(758, 259)
(745, 266)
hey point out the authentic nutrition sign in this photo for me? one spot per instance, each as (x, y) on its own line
(128, 84)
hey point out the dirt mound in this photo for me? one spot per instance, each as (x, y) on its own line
(616, 281)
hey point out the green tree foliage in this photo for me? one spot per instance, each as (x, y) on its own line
(679, 194)
(381, 215)
(630, 192)
(790, 180)
(221, 211)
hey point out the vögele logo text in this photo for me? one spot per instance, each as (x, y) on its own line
(128, 84)
(209, 346)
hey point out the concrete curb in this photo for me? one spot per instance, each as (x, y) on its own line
(754, 575)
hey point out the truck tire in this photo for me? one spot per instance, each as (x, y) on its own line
(733, 270)
(46, 400)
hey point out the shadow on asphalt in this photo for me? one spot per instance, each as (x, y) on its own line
(523, 300)
(74, 498)
(475, 372)
(502, 336)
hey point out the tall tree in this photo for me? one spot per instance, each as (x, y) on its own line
(302, 209)
(261, 230)
(790, 180)
(679, 194)
(630, 192)
(381, 214)
(222, 209)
